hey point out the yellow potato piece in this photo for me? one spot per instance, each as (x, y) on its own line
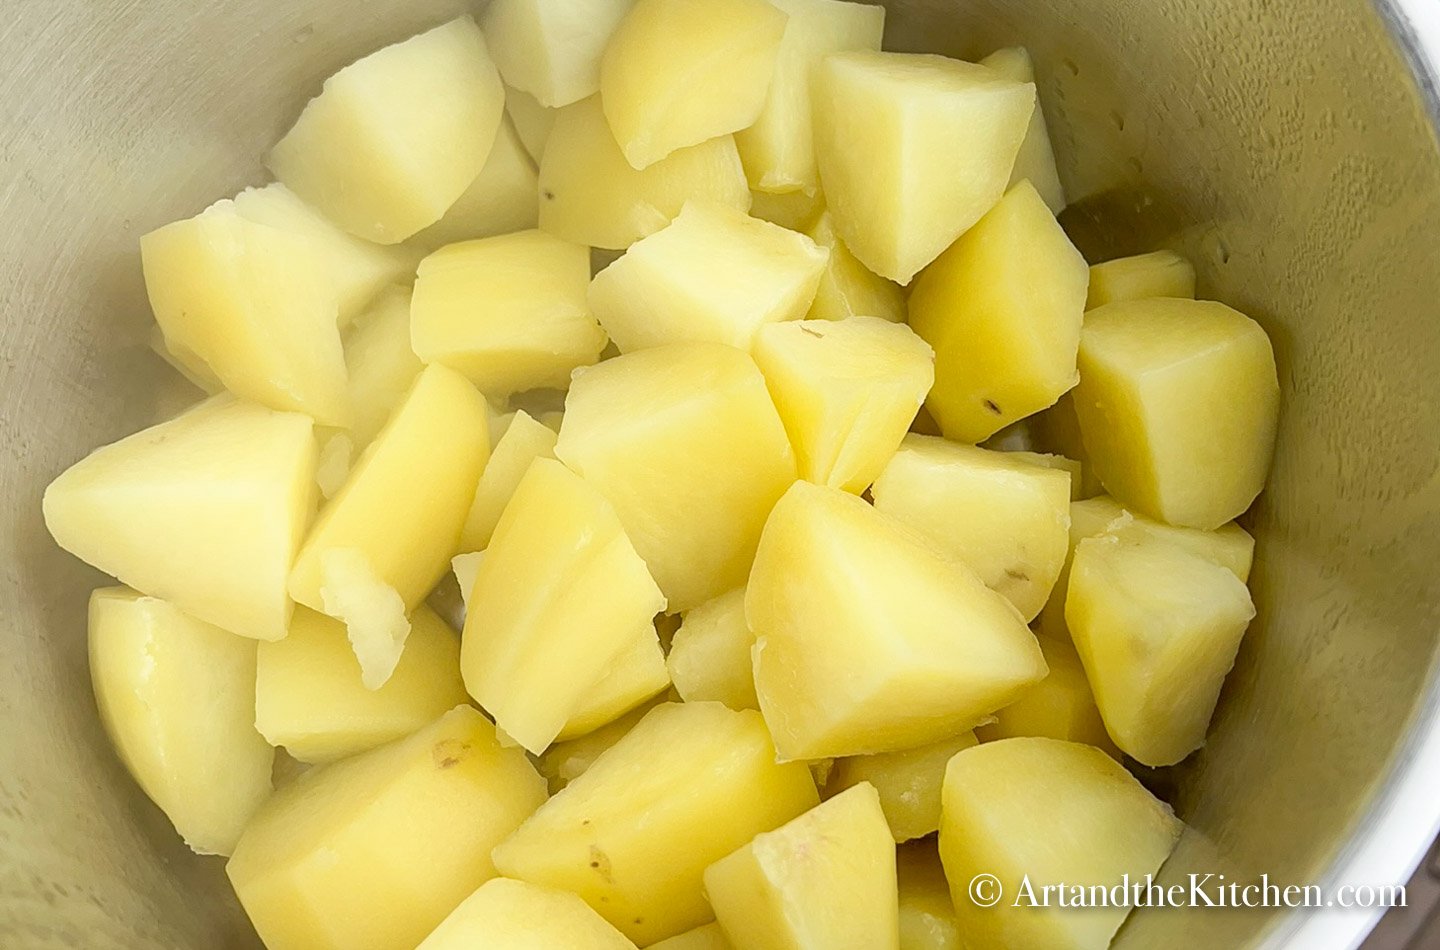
(846, 288)
(509, 312)
(177, 698)
(566, 761)
(913, 149)
(551, 49)
(1035, 162)
(205, 511)
(707, 937)
(710, 654)
(372, 852)
(681, 72)
(795, 210)
(824, 881)
(634, 834)
(524, 441)
(1150, 371)
(382, 366)
(684, 441)
(1056, 813)
(1003, 308)
(638, 674)
(1158, 274)
(908, 781)
(503, 198)
(532, 121)
(867, 640)
(512, 915)
(1061, 706)
(396, 137)
(927, 916)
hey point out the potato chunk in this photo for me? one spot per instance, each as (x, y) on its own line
(1157, 628)
(177, 697)
(512, 915)
(634, 834)
(1002, 307)
(867, 640)
(909, 782)
(927, 916)
(846, 288)
(589, 194)
(503, 198)
(560, 581)
(551, 49)
(1159, 274)
(707, 937)
(824, 881)
(532, 121)
(686, 444)
(681, 72)
(524, 441)
(636, 675)
(394, 138)
(778, 148)
(566, 761)
(710, 654)
(847, 392)
(310, 700)
(678, 285)
(381, 364)
(794, 210)
(1003, 516)
(1035, 162)
(1061, 706)
(1147, 368)
(205, 511)
(1051, 812)
(373, 851)
(912, 150)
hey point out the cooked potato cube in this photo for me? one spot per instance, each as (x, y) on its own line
(1002, 307)
(847, 391)
(524, 441)
(589, 194)
(532, 121)
(382, 365)
(551, 49)
(707, 937)
(1054, 813)
(927, 916)
(686, 444)
(382, 543)
(867, 640)
(710, 654)
(373, 851)
(908, 781)
(912, 150)
(309, 698)
(778, 148)
(637, 675)
(1004, 517)
(824, 881)
(1036, 161)
(566, 761)
(512, 915)
(678, 285)
(1058, 463)
(177, 697)
(503, 198)
(1157, 628)
(681, 72)
(634, 834)
(205, 511)
(1147, 367)
(254, 304)
(1061, 706)
(509, 312)
(846, 288)
(1160, 274)
(396, 137)
(560, 583)
(795, 210)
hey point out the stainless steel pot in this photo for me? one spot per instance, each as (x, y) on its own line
(1289, 147)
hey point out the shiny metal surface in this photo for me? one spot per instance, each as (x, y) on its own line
(1288, 147)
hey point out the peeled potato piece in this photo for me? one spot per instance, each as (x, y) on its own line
(504, 197)
(512, 915)
(908, 781)
(846, 288)
(710, 654)
(524, 440)
(1158, 274)
(1035, 162)
(551, 49)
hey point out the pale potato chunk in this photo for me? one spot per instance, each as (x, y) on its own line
(382, 365)
(1061, 706)
(396, 137)
(372, 852)
(551, 49)
(309, 697)
(912, 150)
(908, 781)
(824, 881)
(589, 194)
(1035, 162)
(710, 654)
(557, 600)
(1003, 308)
(524, 441)
(1003, 516)
(707, 937)
(512, 915)
(634, 834)
(1056, 813)
(566, 761)
(1058, 463)
(795, 210)
(503, 198)
(681, 72)
(867, 640)
(778, 148)
(177, 698)
(509, 312)
(1157, 628)
(846, 288)
(1159, 274)
(847, 392)
(205, 511)
(678, 285)
(686, 444)
(532, 121)
(927, 916)
(1149, 369)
